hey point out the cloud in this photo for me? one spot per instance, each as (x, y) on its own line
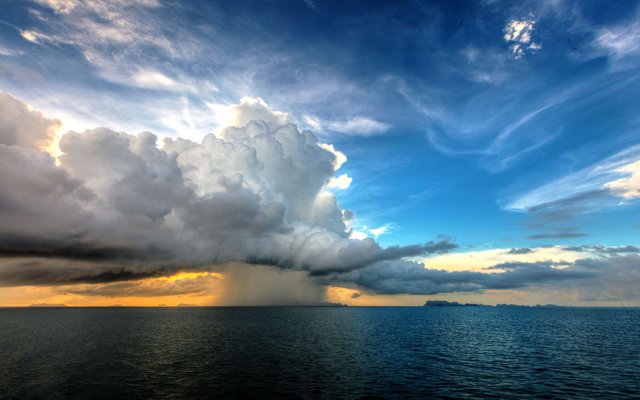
(117, 207)
(341, 182)
(381, 230)
(249, 109)
(356, 126)
(396, 277)
(604, 277)
(522, 250)
(628, 187)
(598, 186)
(24, 127)
(153, 79)
(359, 126)
(194, 283)
(606, 250)
(36, 37)
(60, 6)
(481, 260)
(518, 34)
(620, 41)
(557, 235)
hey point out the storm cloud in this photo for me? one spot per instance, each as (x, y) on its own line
(116, 206)
(408, 277)
(114, 209)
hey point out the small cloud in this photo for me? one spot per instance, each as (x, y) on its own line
(365, 232)
(339, 157)
(380, 230)
(312, 122)
(152, 79)
(357, 235)
(518, 34)
(7, 52)
(35, 37)
(59, 6)
(558, 235)
(359, 126)
(522, 250)
(341, 182)
(629, 187)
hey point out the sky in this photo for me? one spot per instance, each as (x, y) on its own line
(158, 152)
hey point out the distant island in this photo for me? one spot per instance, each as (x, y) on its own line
(444, 303)
(46, 305)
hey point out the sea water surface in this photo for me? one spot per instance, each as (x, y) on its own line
(323, 352)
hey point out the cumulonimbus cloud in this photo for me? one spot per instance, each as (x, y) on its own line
(116, 206)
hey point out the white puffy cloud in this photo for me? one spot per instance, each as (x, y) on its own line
(341, 182)
(23, 127)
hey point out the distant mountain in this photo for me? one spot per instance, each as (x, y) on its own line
(329, 304)
(44, 305)
(523, 306)
(443, 303)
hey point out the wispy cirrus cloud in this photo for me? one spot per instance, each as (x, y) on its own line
(608, 183)
(620, 40)
(356, 126)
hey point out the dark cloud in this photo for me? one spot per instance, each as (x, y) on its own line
(406, 277)
(522, 250)
(617, 278)
(568, 207)
(198, 285)
(608, 277)
(519, 265)
(557, 235)
(52, 271)
(604, 249)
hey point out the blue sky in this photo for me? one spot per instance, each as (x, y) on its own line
(494, 123)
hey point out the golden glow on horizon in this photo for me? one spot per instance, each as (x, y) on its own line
(208, 288)
(185, 275)
(479, 261)
(182, 288)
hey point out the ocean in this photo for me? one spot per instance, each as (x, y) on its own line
(319, 353)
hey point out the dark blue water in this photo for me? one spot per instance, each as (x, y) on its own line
(180, 353)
